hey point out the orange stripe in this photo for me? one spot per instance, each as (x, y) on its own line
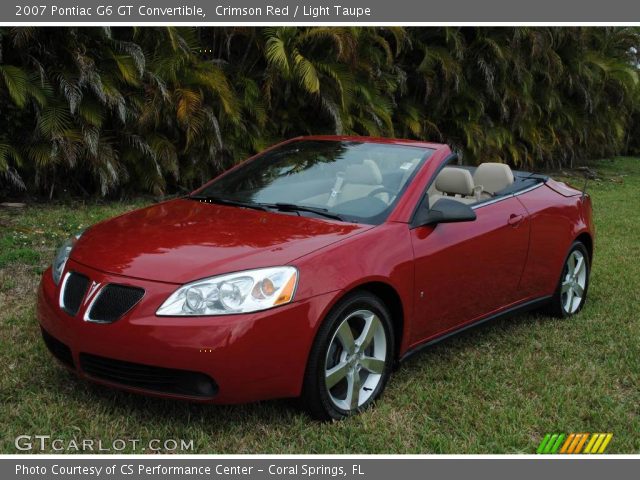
(574, 443)
(582, 441)
(567, 443)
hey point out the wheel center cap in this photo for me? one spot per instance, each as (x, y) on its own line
(354, 359)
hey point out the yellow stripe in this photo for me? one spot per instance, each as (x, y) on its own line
(567, 443)
(605, 443)
(581, 444)
(596, 445)
(591, 442)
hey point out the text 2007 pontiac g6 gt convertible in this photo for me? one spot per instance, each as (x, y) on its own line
(309, 270)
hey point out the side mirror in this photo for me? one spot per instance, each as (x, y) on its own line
(445, 210)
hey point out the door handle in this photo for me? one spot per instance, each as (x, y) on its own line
(515, 220)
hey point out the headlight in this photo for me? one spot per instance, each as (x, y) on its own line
(240, 292)
(62, 256)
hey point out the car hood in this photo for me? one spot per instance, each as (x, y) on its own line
(183, 240)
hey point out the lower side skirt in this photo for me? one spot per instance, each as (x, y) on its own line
(516, 309)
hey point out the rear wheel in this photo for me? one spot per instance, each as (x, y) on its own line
(351, 359)
(571, 293)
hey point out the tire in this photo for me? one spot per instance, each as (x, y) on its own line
(348, 369)
(571, 292)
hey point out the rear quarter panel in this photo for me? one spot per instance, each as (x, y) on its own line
(556, 221)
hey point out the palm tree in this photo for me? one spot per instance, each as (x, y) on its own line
(100, 110)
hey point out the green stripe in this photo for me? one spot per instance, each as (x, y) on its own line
(543, 443)
(555, 448)
(550, 443)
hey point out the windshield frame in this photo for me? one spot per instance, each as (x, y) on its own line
(426, 152)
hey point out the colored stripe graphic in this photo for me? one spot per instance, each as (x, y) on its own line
(543, 443)
(605, 443)
(598, 443)
(551, 443)
(574, 443)
(557, 444)
(566, 445)
(582, 442)
(593, 439)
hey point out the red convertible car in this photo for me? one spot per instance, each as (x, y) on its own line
(310, 270)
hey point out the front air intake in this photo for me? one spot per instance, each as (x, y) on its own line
(113, 302)
(150, 378)
(74, 289)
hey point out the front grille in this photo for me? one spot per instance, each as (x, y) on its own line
(75, 287)
(113, 302)
(147, 377)
(57, 348)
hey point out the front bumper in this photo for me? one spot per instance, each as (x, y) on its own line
(247, 357)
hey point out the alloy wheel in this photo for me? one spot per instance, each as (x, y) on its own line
(574, 282)
(355, 360)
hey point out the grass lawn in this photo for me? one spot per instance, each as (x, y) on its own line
(496, 389)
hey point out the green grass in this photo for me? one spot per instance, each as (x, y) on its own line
(496, 389)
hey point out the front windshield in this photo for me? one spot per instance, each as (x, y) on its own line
(352, 181)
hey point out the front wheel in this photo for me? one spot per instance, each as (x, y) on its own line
(571, 292)
(351, 359)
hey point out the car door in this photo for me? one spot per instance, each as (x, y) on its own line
(467, 270)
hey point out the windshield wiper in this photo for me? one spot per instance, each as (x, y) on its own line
(226, 201)
(283, 207)
(292, 207)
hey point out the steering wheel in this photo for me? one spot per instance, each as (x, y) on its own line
(392, 193)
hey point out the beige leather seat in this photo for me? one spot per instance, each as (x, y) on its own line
(490, 178)
(359, 181)
(454, 183)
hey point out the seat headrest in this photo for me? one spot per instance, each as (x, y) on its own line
(493, 176)
(455, 181)
(366, 173)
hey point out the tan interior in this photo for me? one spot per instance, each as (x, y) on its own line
(492, 177)
(458, 183)
(454, 183)
(359, 180)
